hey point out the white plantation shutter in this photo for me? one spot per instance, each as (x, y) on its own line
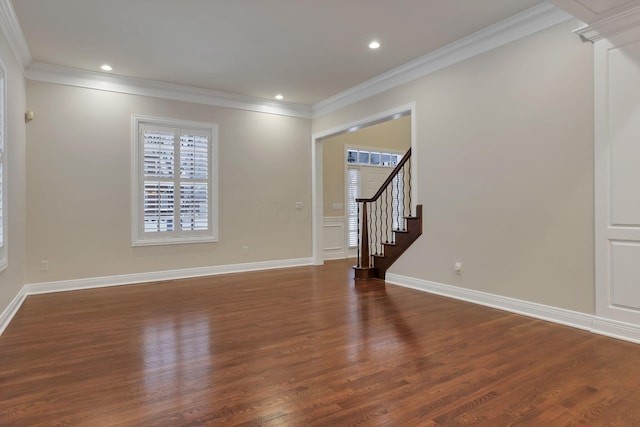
(353, 192)
(194, 206)
(159, 152)
(158, 163)
(194, 156)
(194, 171)
(159, 202)
(176, 190)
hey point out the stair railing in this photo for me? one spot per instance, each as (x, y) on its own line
(383, 213)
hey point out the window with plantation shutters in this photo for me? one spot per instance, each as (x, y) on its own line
(175, 191)
(353, 192)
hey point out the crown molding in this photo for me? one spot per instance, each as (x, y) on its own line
(516, 27)
(618, 23)
(101, 81)
(577, 9)
(511, 29)
(13, 32)
(49, 73)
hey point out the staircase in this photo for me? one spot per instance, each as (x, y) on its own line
(386, 227)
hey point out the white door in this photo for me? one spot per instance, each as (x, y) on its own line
(371, 178)
(618, 180)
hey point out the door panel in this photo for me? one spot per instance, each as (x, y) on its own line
(617, 178)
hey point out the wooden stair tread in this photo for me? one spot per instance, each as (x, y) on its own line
(404, 239)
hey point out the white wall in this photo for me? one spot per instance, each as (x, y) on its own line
(12, 279)
(78, 186)
(505, 170)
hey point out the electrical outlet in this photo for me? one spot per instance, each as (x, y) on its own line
(245, 250)
(457, 267)
(44, 265)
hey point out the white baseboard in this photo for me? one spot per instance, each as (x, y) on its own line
(129, 279)
(154, 276)
(616, 329)
(574, 319)
(12, 309)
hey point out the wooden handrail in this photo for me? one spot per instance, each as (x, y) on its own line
(392, 175)
(363, 269)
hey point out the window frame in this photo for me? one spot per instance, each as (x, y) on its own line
(138, 235)
(4, 178)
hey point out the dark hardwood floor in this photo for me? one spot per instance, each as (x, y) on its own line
(302, 346)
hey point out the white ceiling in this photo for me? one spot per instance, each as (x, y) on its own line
(308, 50)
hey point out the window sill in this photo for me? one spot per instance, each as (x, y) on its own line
(174, 241)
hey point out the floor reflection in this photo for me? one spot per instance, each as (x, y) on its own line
(374, 312)
(176, 352)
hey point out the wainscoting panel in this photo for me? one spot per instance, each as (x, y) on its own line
(334, 237)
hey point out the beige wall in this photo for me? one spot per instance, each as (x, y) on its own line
(505, 170)
(78, 185)
(392, 135)
(12, 278)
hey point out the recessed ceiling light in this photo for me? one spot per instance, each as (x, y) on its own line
(279, 97)
(374, 45)
(106, 67)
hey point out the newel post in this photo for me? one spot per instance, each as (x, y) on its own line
(364, 239)
(364, 269)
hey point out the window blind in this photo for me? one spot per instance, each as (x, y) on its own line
(353, 192)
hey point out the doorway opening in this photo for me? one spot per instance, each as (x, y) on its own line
(348, 160)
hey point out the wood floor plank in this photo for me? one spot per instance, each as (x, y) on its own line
(302, 346)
